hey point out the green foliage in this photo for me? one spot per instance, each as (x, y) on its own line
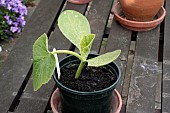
(42, 58)
(85, 45)
(24, 1)
(75, 28)
(103, 59)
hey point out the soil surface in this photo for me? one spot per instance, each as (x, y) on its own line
(91, 78)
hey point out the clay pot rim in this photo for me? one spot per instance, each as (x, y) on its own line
(138, 24)
(77, 2)
(57, 100)
(119, 100)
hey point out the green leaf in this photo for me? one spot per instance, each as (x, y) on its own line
(104, 59)
(85, 45)
(74, 26)
(43, 62)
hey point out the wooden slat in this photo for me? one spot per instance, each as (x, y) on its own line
(38, 101)
(35, 102)
(141, 98)
(166, 63)
(20, 59)
(127, 75)
(119, 38)
(98, 17)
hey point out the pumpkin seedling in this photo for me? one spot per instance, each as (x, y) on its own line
(76, 29)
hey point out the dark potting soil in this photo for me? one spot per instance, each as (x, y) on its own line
(91, 78)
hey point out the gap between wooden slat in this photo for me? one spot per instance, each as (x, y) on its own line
(126, 83)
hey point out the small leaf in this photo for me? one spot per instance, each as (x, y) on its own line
(74, 26)
(43, 62)
(104, 59)
(85, 45)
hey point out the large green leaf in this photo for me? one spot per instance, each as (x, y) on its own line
(103, 59)
(85, 45)
(74, 26)
(43, 62)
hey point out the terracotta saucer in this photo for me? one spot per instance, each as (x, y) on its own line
(135, 25)
(55, 102)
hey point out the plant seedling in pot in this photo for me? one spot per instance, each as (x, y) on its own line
(76, 29)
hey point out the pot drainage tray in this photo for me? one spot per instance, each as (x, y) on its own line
(135, 25)
(55, 102)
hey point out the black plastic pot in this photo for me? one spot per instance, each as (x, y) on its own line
(73, 101)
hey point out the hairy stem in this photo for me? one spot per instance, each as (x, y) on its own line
(82, 63)
(79, 70)
(68, 52)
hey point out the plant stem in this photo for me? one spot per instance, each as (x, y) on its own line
(68, 52)
(79, 70)
(82, 63)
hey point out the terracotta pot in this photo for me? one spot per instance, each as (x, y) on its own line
(135, 25)
(140, 10)
(79, 1)
(56, 105)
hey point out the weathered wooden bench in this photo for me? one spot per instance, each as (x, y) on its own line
(144, 61)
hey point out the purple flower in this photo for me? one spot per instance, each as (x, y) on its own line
(15, 24)
(15, 10)
(23, 10)
(20, 18)
(9, 7)
(23, 23)
(19, 30)
(6, 31)
(2, 2)
(14, 14)
(9, 21)
(14, 29)
(7, 17)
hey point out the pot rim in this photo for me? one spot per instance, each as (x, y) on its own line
(92, 92)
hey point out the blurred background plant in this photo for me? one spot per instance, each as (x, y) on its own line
(8, 40)
(29, 3)
(12, 17)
